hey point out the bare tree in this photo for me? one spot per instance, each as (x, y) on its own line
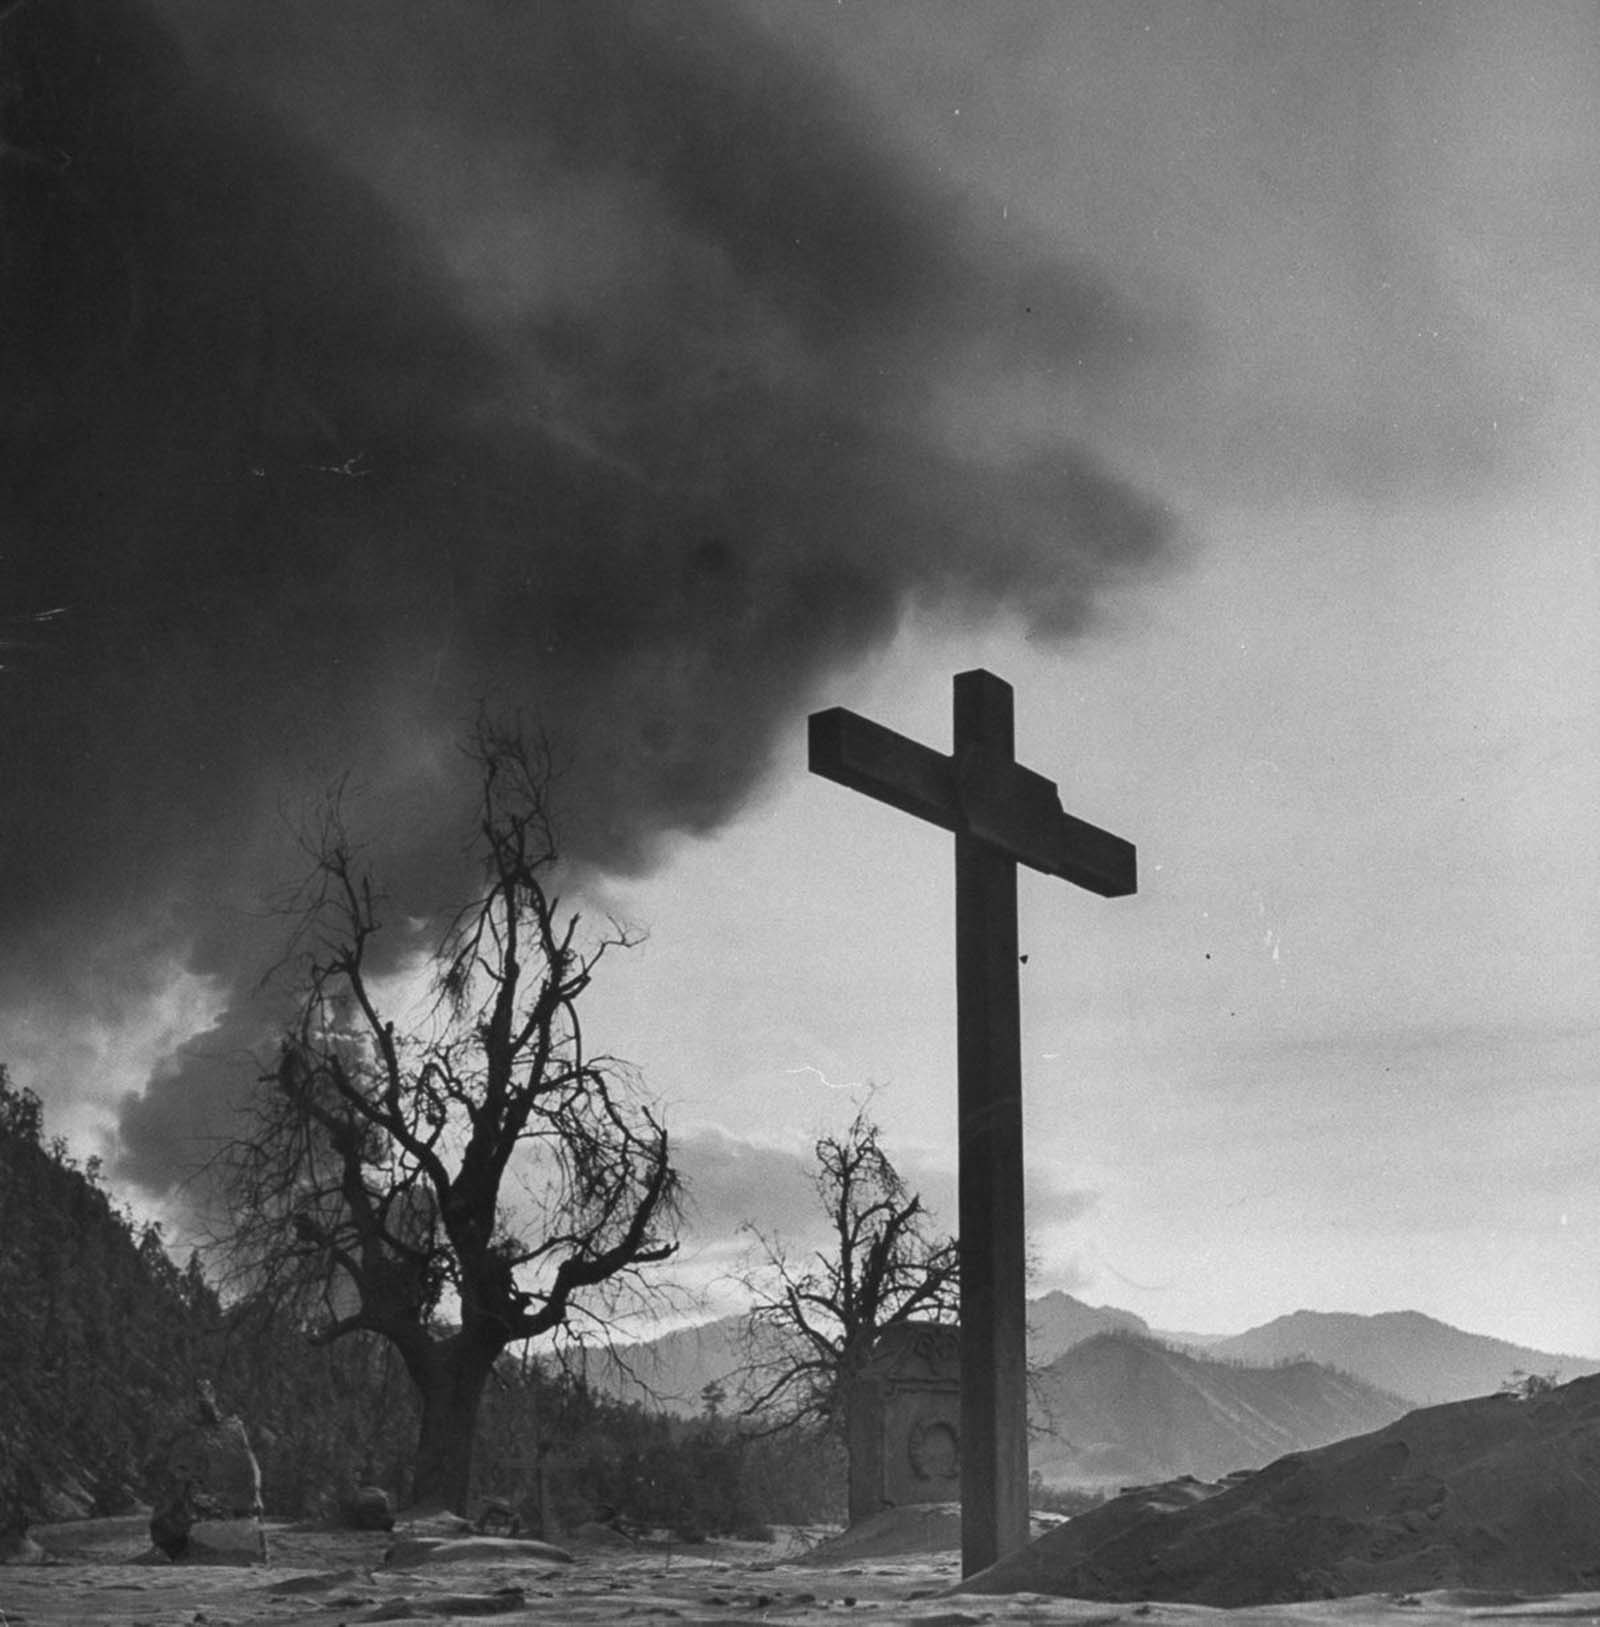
(813, 1323)
(474, 1178)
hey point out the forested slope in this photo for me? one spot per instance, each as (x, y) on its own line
(103, 1337)
(99, 1332)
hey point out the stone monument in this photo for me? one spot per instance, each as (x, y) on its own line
(905, 1420)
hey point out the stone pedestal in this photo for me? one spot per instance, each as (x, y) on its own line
(904, 1432)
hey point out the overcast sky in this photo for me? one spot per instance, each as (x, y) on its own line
(1222, 376)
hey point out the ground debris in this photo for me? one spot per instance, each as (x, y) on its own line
(418, 1606)
(314, 1582)
(413, 1551)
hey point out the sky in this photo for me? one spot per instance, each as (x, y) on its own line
(1222, 377)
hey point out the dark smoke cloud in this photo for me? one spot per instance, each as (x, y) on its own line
(366, 359)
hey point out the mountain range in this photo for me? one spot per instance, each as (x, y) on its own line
(1114, 1400)
(1403, 1353)
(1121, 1407)
(671, 1372)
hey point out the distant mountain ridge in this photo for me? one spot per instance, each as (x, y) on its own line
(1057, 1322)
(1119, 1408)
(1110, 1403)
(1413, 1355)
(673, 1370)
(1403, 1353)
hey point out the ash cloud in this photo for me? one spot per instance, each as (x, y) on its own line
(376, 360)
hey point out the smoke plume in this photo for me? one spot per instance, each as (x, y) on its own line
(369, 360)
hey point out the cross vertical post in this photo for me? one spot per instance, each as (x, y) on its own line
(994, 1316)
(1002, 814)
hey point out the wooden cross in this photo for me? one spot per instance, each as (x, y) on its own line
(1003, 815)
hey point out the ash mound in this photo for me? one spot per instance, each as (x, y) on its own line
(912, 1528)
(1500, 1493)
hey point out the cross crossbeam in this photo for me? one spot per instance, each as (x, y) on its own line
(1002, 815)
(1010, 808)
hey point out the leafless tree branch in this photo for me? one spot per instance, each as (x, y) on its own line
(369, 1187)
(812, 1324)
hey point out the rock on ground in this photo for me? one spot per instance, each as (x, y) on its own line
(226, 1542)
(411, 1551)
(208, 1476)
(371, 1508)
(1497, 1494)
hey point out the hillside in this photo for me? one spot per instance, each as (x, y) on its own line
(1120, 1408)
(98, 1333)
(1402, 1351)
(102, 1339)
(1057, 1322)
(671, 1372)
(1494, 1499)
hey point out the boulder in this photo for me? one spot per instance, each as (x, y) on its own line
(209, 1491)
(498, 1518)
(371, 1508)
(597, 1534)
(226, 1542)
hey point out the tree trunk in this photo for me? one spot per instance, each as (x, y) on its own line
(863, 1445)
(449, 1421)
